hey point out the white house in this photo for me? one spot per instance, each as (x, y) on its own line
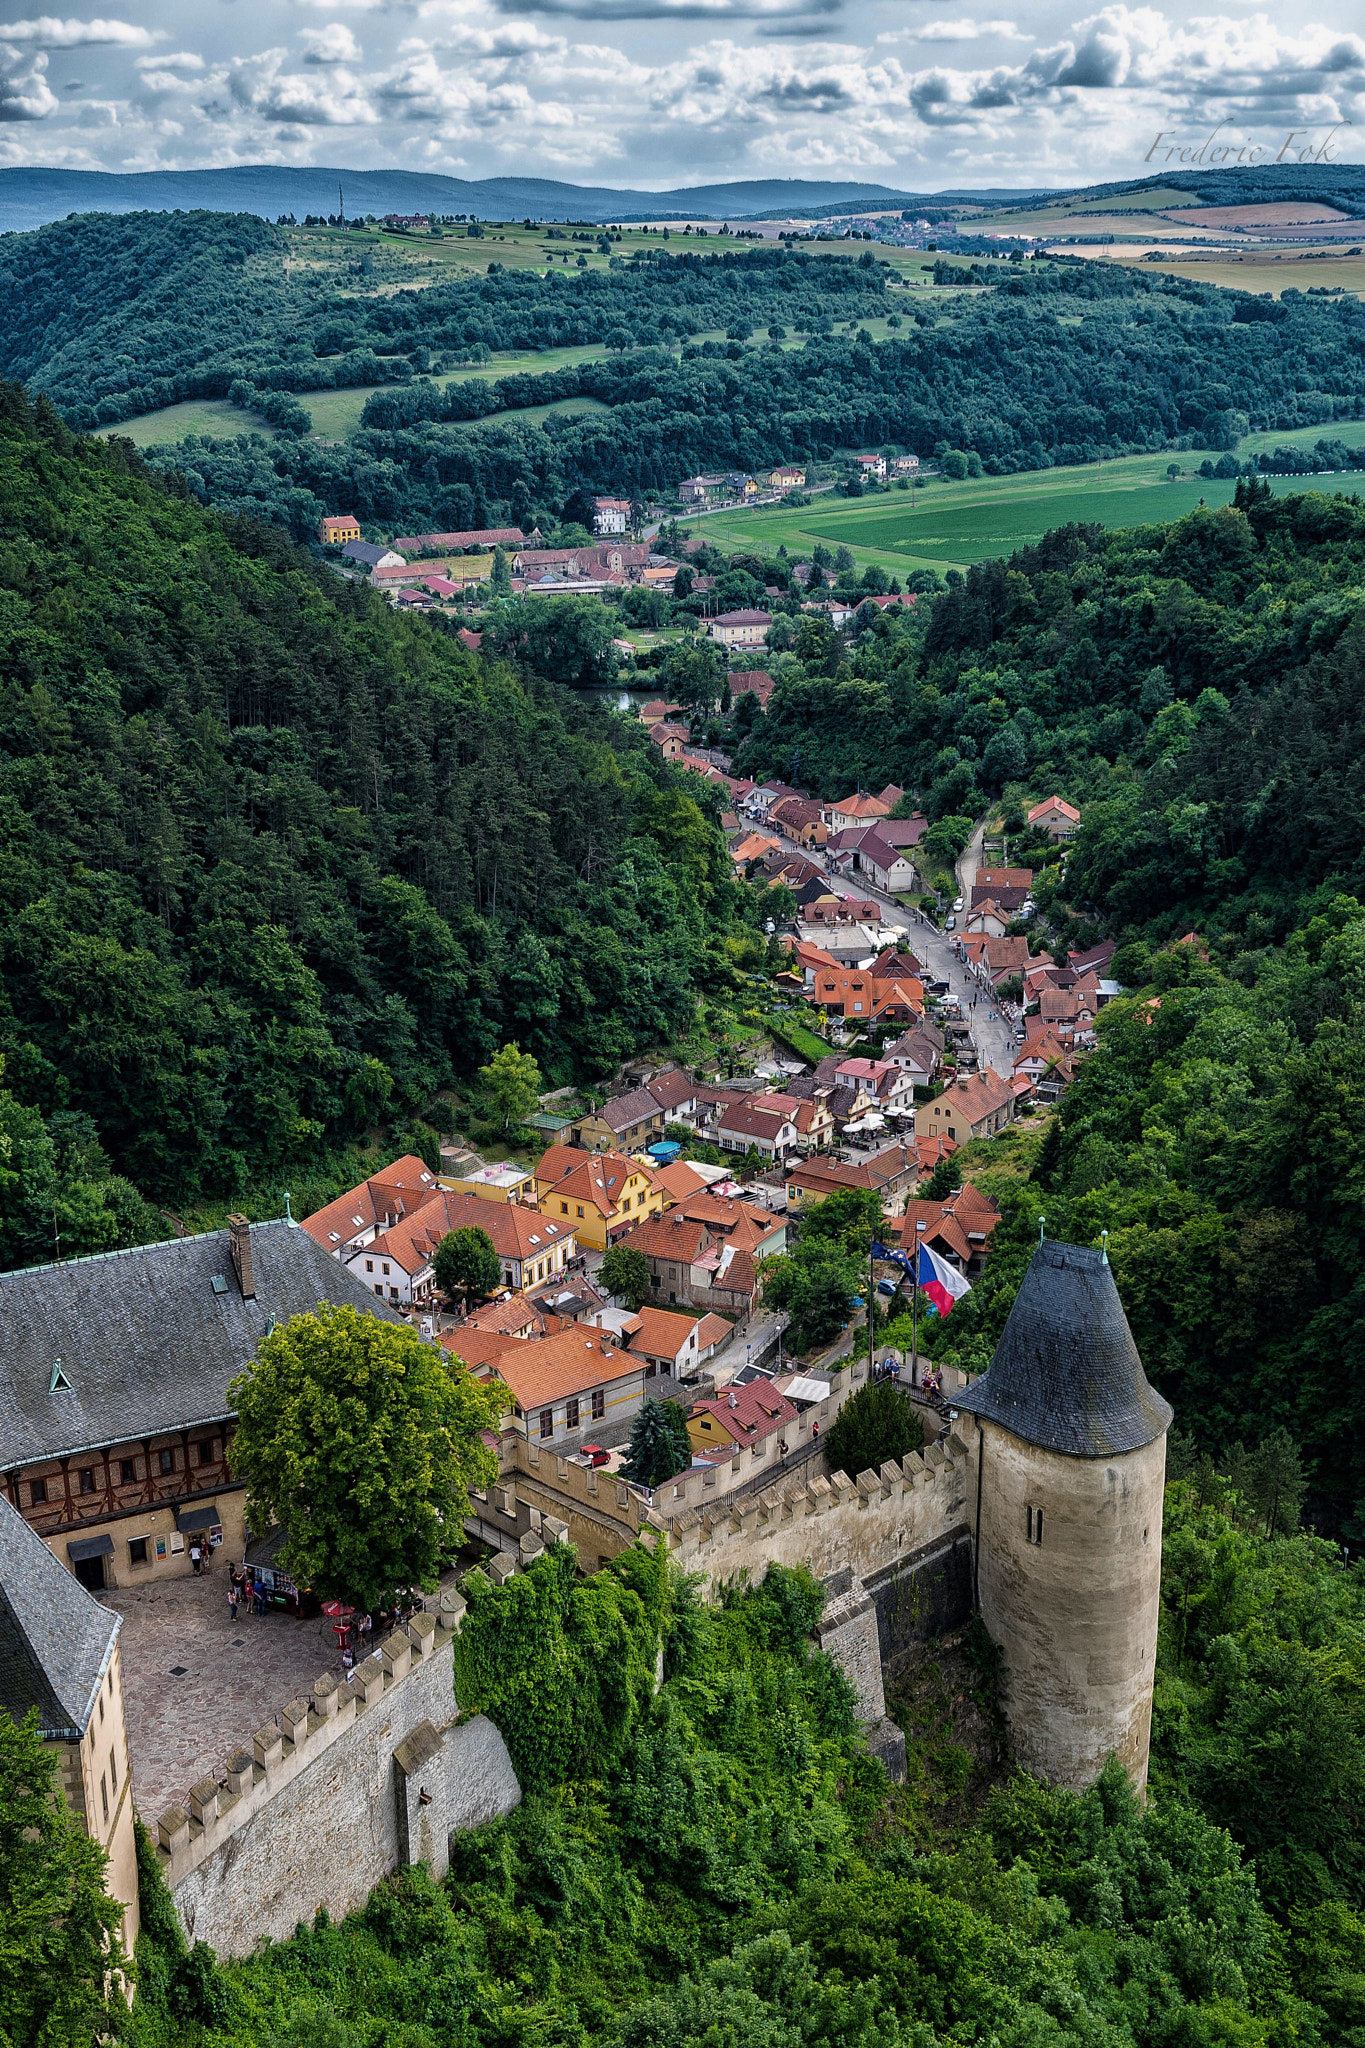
(611, 515)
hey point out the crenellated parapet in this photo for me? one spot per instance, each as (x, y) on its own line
(255, 1773)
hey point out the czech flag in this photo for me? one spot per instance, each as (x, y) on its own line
(941, 1282)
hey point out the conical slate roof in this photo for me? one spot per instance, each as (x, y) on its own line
(1066, 1375)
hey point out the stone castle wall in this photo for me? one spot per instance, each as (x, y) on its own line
(361, 1777)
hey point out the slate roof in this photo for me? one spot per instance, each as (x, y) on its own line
(55, 1640)
(145, 1341)
(1066, 1375)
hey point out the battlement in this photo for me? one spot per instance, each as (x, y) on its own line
(225, 1801)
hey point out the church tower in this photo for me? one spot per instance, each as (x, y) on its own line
(1070, 1449)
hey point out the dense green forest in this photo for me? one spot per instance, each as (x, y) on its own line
(1062, 362)
(1059, 364)
(719, 1862)
(117, 314)
(278, 863)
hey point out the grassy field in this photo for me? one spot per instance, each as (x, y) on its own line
(950, 525)
(212, 416)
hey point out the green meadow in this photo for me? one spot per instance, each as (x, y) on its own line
(950, 525)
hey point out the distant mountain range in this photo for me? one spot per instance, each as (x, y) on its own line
(31, 196)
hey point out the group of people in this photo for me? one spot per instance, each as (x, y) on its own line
(245, 1593)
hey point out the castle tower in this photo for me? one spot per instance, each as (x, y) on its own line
(1071, 1462)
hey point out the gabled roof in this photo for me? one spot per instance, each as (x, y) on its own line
(556, 1367)
(399, 1190)
(600, 1178)
(672, 1089)
(145, 1339)
(750, 1412)
(861, 806)
(679, 1180)
(56, 1642)
(623, 1111)
(516, 1231)
(1066, 1375)
(1054, 806)
(671, 1236)
(661, 1333)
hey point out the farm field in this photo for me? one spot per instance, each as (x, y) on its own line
(1252, 270)
(951, 525)
(414, 260)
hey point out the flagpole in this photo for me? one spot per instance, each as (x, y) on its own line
(914, 1309)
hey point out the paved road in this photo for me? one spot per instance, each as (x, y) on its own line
(994, 1039)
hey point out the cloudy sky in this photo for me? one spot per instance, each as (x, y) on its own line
(658, 93)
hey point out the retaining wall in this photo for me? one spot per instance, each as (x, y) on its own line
(357, 1779)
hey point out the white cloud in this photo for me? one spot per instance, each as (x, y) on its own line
(965, 31)
(335, 44)
(50, 34)
(25, 94)
(663, 92)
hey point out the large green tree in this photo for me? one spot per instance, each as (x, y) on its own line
(873, 1425)
(362, 1441)
(512, 1079)
(62, 1965)
(466, 1262)
(624, 1272)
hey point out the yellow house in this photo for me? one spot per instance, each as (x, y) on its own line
(337, 530)
(599, 1195)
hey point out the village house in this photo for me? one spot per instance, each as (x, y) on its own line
(366, 555)
(115, 1421)
(743, 1416)
(668, 1343)
(502, 1182)
(338, 528)
(958, 1228)
(750, 1126)
(886, 1086)
(693, 1262)
(892, 1174)
(786, 478)
(356, 1218)
(611, 515)
(397, 1263)
(1057, 818)
(61, 1662)
(575, 1380)
(870, 465)
(973, 1106)
(889, 866)
(1047, 1062)
(799, 820)
(988, 917)
(740, 628)
(601, 1195)
(627, 1123)
(905, 465)
(676, 1094)
(1009, 886)
(918, 1052)
(671, 740)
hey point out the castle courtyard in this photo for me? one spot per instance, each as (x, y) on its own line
(198, 1685)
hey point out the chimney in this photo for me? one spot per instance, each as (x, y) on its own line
(239, 1240)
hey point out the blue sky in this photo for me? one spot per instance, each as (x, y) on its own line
(658, 93)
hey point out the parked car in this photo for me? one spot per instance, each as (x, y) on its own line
(957, 903)
(887, 1286)
(950, 924)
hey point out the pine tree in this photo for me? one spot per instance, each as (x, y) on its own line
(659, 1444)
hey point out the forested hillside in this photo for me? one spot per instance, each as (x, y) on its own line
(113, 315)
(1059, 364)
(276, 862)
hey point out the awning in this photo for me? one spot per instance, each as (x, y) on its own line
(804, 1388)
(90, 1546)
(189, 1519)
